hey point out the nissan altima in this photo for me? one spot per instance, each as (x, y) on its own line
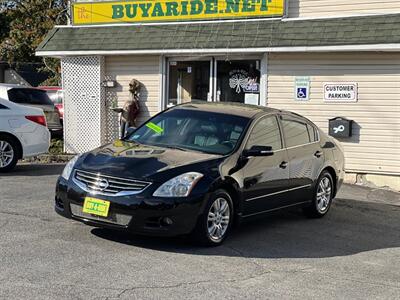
(198, 168)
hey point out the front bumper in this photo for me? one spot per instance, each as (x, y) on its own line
(140, 213)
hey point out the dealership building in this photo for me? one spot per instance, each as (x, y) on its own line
(325, 59)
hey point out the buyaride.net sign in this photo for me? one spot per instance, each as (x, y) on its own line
(179, 10)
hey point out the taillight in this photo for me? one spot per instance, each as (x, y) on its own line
(41, 120)
(60, 109)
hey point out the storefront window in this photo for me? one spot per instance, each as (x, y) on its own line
(188, 81)
(238, 81)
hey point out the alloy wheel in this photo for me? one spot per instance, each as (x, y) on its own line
(218, 219)
(324, 194)
(6, 154)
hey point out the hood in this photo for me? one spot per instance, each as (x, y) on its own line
(132, 160)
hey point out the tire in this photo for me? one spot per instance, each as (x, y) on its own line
(214, 225)
(9, 153)
(323, 196)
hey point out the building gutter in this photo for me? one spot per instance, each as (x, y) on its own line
(343, 48)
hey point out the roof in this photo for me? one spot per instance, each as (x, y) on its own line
(231, 108)
(365, 30)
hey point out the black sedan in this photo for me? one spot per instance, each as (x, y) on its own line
(198, 167)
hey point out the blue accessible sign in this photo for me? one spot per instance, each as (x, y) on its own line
(302, 88)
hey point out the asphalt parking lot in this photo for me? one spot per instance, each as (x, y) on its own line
(353, 253)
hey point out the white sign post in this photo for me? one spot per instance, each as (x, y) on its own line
(341, 92)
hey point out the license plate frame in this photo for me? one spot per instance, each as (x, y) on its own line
(97, 207)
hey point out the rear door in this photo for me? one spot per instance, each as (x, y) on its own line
(265, 178)
(305, 157)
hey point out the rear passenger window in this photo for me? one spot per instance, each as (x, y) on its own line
(29, 96)
(296, 133)
(266, 133)
(3, 106)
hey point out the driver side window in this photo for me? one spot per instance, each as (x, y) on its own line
(266, 133)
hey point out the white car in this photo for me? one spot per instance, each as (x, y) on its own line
(23, 133)
(33, 97)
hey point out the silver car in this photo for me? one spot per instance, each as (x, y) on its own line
(35, 98)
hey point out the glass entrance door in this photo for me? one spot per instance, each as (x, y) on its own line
(238, 81)
(211, 79)
(188, 81)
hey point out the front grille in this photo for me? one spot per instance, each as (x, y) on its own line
(113, 218)
(96, 183)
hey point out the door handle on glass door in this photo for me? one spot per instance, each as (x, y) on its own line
(283, 165)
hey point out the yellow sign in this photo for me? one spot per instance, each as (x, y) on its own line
(179, 10)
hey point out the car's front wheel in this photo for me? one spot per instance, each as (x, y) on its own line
(8, 153)
(323, 196)
(214, 224)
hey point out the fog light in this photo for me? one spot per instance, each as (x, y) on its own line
(167, 221)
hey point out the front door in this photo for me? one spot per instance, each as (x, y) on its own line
(213, 79)
(265, 178)
(188, 81)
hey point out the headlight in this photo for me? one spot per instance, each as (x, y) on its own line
(179, 186)
(69, 167)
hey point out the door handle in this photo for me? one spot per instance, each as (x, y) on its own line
(283, 165)
(318, 154)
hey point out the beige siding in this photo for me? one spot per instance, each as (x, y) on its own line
(313, 8)
(143, 68)
(375, 145)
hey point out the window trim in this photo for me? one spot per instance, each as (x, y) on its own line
(2, 106)
(300, 120)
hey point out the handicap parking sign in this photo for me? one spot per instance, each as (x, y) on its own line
(302, 88)
(302, 93)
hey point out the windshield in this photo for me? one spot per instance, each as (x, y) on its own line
(192, 130)
(29, 96)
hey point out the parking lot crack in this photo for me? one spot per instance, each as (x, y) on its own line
(243, 255)
(25, 215)
(235, 280)
(4, 224)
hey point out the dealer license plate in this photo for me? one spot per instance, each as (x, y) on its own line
(96, 207)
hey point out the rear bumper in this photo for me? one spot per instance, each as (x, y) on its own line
(54, 127)
(137, 213)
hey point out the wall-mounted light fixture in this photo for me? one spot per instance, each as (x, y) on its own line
(109, 83)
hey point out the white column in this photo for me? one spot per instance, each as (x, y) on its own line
(264, 81)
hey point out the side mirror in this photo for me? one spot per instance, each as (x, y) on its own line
(129, 131)
(258, 151)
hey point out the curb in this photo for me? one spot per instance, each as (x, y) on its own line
(49, 158)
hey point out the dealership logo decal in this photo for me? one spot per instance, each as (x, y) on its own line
(238, 80)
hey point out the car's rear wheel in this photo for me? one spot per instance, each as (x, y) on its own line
(8, 153)
(214, 224)
(323, 196)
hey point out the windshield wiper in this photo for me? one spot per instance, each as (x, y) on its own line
(174, 147)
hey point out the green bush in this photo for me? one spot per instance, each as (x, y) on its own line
(56, 146)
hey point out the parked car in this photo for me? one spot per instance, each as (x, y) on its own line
(23, 133)
(33, 97)
(56, 96)
(197, 167)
